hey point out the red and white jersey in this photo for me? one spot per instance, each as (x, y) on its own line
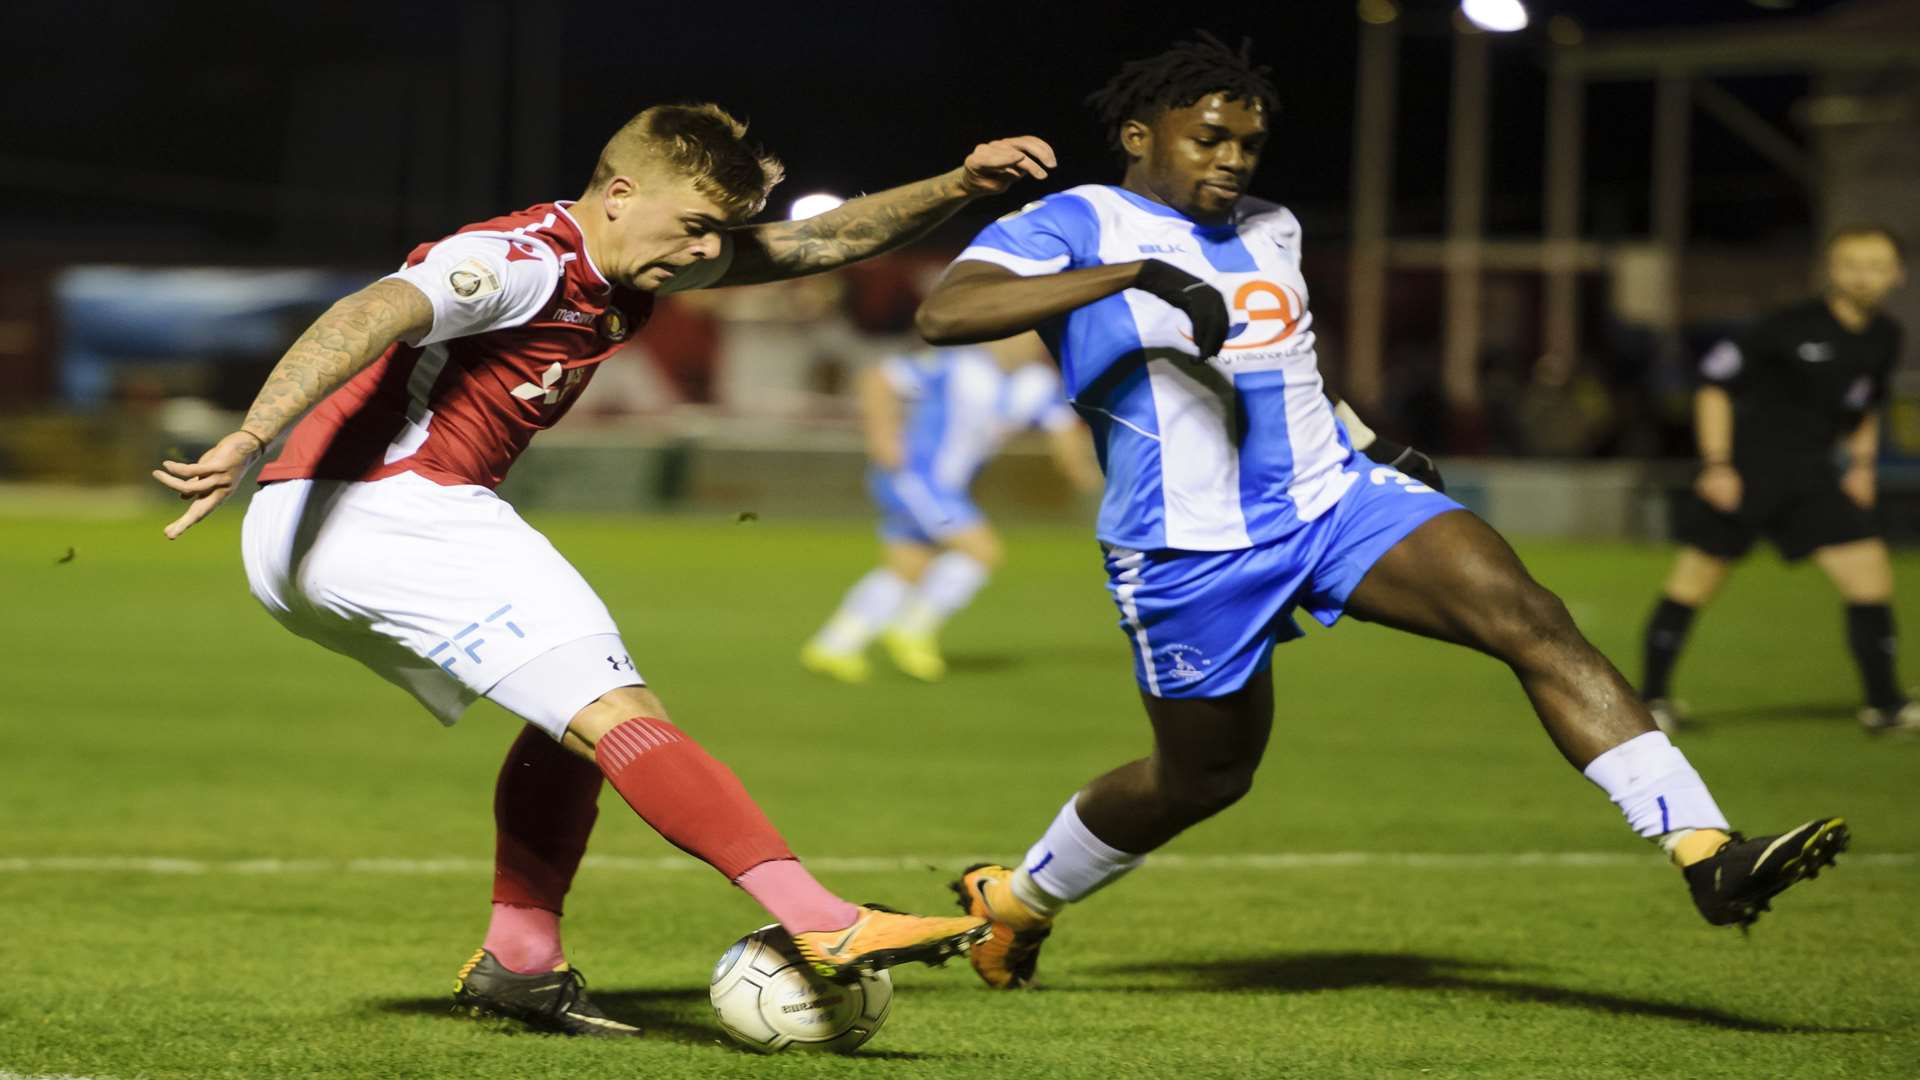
(521, 317)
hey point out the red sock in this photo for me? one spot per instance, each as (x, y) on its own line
(543, 808)
(687, 796)
(525, 939)
(790, 894)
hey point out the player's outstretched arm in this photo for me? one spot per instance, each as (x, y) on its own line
(1863, 450)
(1718, 483)
(981, 301)
(1415, 463)
(882, 417)
(349, 336)
(864, 227)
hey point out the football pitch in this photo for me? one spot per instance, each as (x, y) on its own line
(227, 853)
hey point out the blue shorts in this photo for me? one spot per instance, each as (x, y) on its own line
(1204, 622)
(914, 510)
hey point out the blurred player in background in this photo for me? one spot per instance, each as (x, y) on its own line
(1775, 406)
(932, 420)
(376, 533)
(1177, 309)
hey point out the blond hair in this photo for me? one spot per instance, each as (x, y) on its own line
(701, 141)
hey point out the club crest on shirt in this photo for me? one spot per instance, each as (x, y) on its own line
(614, 325)
(472, 279)
(1185, 663)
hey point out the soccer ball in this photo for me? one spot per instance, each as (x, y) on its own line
(767, 998)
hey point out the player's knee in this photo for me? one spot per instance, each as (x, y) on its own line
(990, 554)
(1198, 795)
(1695, 578)
(1531, 619)
(983, 547)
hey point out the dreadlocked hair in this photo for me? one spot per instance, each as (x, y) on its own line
(1177, 78)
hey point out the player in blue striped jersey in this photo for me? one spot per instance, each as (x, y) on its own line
(932, 420)
(1176, 308)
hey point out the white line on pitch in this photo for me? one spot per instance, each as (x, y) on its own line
(121, 864)
(5, 1075)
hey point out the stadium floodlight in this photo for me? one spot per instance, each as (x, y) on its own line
(1497, 16)
(813, 205)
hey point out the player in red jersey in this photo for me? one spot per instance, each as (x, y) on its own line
(377, 534)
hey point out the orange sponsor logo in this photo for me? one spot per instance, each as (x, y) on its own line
(1261, 314)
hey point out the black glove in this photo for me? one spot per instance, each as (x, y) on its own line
(1413, 462)
(1201, 301)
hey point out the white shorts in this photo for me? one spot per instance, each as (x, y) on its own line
(443, 591)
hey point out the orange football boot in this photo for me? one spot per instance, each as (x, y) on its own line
(881, 938)
(1006, 959)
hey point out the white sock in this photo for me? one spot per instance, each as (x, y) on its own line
(869, 606)
(949, 585)
(1649, 779)
(1068, 864)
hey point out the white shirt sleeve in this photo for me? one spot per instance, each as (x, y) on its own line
(483, 281)
(703, 273)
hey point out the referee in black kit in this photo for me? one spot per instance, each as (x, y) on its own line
(1775, 409)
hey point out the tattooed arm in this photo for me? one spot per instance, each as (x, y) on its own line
(865, 227)
(349, 336)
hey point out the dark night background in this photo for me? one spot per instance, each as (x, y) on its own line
(347, 131)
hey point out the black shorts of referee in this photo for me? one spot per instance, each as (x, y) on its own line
(1798, 511)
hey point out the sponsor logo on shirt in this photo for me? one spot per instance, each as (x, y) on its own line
(571, 317)
(1162, 249)
(555, 381)
(1262, 313)
(1815, 352)
(472, 279)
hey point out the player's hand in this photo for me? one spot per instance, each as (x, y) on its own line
(1201, 301)
(206, 483)
(1417, 464)
(995, 166)
(1718, 485)
(1857, 482)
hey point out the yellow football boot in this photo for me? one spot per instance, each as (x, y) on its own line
(1006, 958)
(916, 654)
(882, 938)
(847, 667)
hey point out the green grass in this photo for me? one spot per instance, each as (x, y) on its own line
(151, 710)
